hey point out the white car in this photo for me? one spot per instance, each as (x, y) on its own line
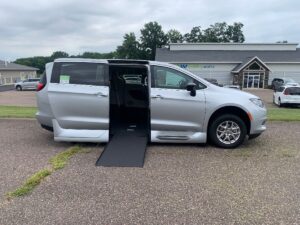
(287, 95)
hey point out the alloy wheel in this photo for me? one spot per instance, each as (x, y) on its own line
(228, 132)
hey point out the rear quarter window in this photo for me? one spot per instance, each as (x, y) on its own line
(80, 73)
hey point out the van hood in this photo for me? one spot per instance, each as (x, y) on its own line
(235, 92)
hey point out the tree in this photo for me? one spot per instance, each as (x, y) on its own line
(37, 62)
(218, 32)
(130, 48)
(235, 32)
(152, 37)
(174, 36)
(58, 54)
(96, 55)
(194, 36)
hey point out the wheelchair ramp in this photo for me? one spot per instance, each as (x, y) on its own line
(125, 149)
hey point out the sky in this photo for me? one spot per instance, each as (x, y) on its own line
(40, 27)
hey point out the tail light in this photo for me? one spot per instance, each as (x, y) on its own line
(42, 83)
(286, 92)
(40, 86)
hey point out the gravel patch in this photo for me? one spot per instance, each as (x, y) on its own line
(18, 98)
(257, 183)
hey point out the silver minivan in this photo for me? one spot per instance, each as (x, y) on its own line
(28, 84)
(89, 100)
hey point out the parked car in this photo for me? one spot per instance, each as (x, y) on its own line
(89, 100)
(28, 84)
(287, 95)
(277, 82)
(232, 86)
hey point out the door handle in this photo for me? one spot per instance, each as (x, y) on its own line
(157, 97)
(100, 94)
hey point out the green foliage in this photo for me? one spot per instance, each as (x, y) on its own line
(130, 48)
(17, 112)
(96, 55)
(174, 36)
(152, 37)
(60, 160)
(37, 62)
(58, 54)
(30, 184)
(194, 36)
(218, 32)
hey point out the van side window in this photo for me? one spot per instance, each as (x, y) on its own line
(163, 77)
(80, 73)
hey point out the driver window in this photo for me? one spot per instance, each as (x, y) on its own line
(163, 77)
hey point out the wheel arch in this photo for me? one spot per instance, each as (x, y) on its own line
(235, 110)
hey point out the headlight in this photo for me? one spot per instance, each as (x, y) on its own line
(257, 102)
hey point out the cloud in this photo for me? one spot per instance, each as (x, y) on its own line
(32, 27)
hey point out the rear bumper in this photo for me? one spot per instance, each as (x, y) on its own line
(290, 101)
(44, 119)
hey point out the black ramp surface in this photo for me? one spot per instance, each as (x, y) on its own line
(125, 149)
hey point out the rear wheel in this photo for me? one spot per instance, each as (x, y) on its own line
(227, 131)
(19, 88)
(279, 103)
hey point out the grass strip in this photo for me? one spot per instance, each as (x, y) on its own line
(57, 162)
(17, 112)
(284, 114)
(30, 184)
(60, 160)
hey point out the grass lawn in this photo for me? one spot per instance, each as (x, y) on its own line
(17, 112)
(274, 114)
(284, 114)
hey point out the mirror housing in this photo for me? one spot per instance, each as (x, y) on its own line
(191, 87)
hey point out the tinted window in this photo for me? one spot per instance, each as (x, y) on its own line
(163, 77)
(293, 91)
(43, 79)
(80, 73)
(33, 80)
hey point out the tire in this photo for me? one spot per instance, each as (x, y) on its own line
(279, 103)
(252, 136)
(19, 88)
(223, 138)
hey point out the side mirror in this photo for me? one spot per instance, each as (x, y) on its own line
(192, 88)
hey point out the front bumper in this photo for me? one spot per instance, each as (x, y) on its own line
(258, 123)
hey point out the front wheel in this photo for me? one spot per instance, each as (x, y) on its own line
(19, 88)
(227, 131)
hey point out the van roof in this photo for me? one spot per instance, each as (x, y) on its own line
(125, 61)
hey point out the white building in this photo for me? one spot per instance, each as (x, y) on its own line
(250, 65)
(12, 72)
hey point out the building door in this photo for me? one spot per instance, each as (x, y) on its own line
(253, 80)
